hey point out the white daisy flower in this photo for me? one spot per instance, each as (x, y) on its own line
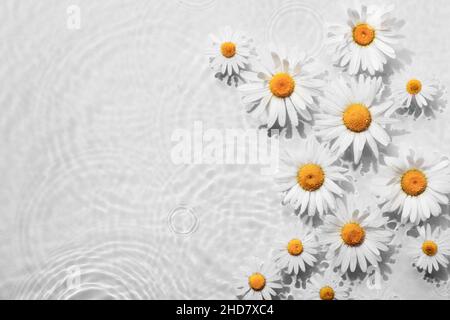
(310, 177)
(411, 90)
(329, 286)
(415, 187)
(230, 52)
(282, 92)
(297, 248)
(365, 41)
(430, 249)
(355, 236)
(353, 113)
(258, 281)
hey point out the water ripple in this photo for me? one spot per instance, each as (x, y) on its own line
(98, 188)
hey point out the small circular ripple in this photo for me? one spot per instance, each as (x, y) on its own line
(182, 220)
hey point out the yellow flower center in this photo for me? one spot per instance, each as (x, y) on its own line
(430, 248)
(295, 247)
(353, 234)
(363, 34)
(414, 86)
(228, 49)
(357, 117)
(310, 177)
(282, 85)
(257, 281)
(414, 182)
(326, 293)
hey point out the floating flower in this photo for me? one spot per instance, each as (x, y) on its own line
(355, 236)
(296, 248)
(354, 114)
(282, 92)
(430, 249)
(415, 187)
(258, 281)
(309, 177)
(365, 41)
(411, 90)
(230, 52)
(329, 286)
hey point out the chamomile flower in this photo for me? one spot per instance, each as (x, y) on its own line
(258, 281)
(415, 187)
(353, 114)
(297, 248)
(412, 90)
(230, 52)
(329, 286)
(283, 92)
(355, 236)
(366, 41)
(430, 249)
(310, 177)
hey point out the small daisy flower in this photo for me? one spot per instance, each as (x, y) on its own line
(415, 187)
(230, 52)
(431, 249)
(284, 91)
(355, 236)
(310, 177)
(366, 41)
(329, 286)
(258, 281)
(354, 114)
(411, 90)
(296, 248)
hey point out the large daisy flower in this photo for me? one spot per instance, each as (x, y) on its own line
(415, 187)
(365, 41)
(353, 113)
(309, 177)
(284, 91)
(230, 52)
(258, 281)
(430, 249)
(329, 286)
(411, 90)
(355, 236)
(297, 248)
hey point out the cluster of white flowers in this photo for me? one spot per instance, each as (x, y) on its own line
(346, 113)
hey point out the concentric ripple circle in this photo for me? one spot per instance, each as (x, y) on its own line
(114, 264)
(95, 189)
(182, 220)
(197, 4)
